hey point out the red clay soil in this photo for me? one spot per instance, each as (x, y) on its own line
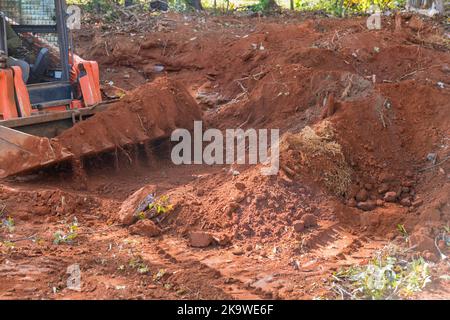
(384, 94)
(146, 114)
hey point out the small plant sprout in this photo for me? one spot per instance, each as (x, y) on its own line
(155, 207)
(403, 232)
(138, 263)
(159, 275)
(8, 224)
(141, 215)
(7, 244)
(161, 205)
(61, 237)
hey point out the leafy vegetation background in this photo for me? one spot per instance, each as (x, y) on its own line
(336, 7)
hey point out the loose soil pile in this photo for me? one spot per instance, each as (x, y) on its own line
(360, 113)
(148, 113)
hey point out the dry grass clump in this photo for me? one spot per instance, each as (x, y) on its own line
(314, 151)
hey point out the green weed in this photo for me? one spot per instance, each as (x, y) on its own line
(386, 276)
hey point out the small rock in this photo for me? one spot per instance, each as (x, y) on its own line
(390, 196)
(232, 207)
(406, 202)
(299, 226)
(222, 239)
(430, 256)
(238, 198)
(145, 228)
(432, 157)
(200, 239)
(366, 205)
(379, 203)
(362, 195)
(384, 187)
(240, 186)
(127, 212)
(422, 242)
(405, 190)
(237, 251)
(417, 203)
(309, 220)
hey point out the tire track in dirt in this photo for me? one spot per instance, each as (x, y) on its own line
(233, 282)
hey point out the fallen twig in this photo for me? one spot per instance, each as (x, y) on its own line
(19, 239)
(435, 165)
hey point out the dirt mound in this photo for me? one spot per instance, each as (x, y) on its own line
(246, 207)
(48, 205)
(148, 113)
(390, 132)
(294, 76)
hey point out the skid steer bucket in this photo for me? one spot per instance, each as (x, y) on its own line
(21, 152)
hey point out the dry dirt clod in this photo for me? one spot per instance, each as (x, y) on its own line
(417, 203)
(127, 214)
(232, 207)
(309, 220)
(367, 205)
(299, 226)
(406, 202)
(384, 187)
(390, 196)
(222, 239)
(240, 186)
(145, 228)
(200, 239)
(421, 242)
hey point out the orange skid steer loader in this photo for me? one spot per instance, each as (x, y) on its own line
(44, 87)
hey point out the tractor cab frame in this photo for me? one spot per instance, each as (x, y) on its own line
(60, 85)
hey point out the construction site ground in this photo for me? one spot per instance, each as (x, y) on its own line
(379, 98)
